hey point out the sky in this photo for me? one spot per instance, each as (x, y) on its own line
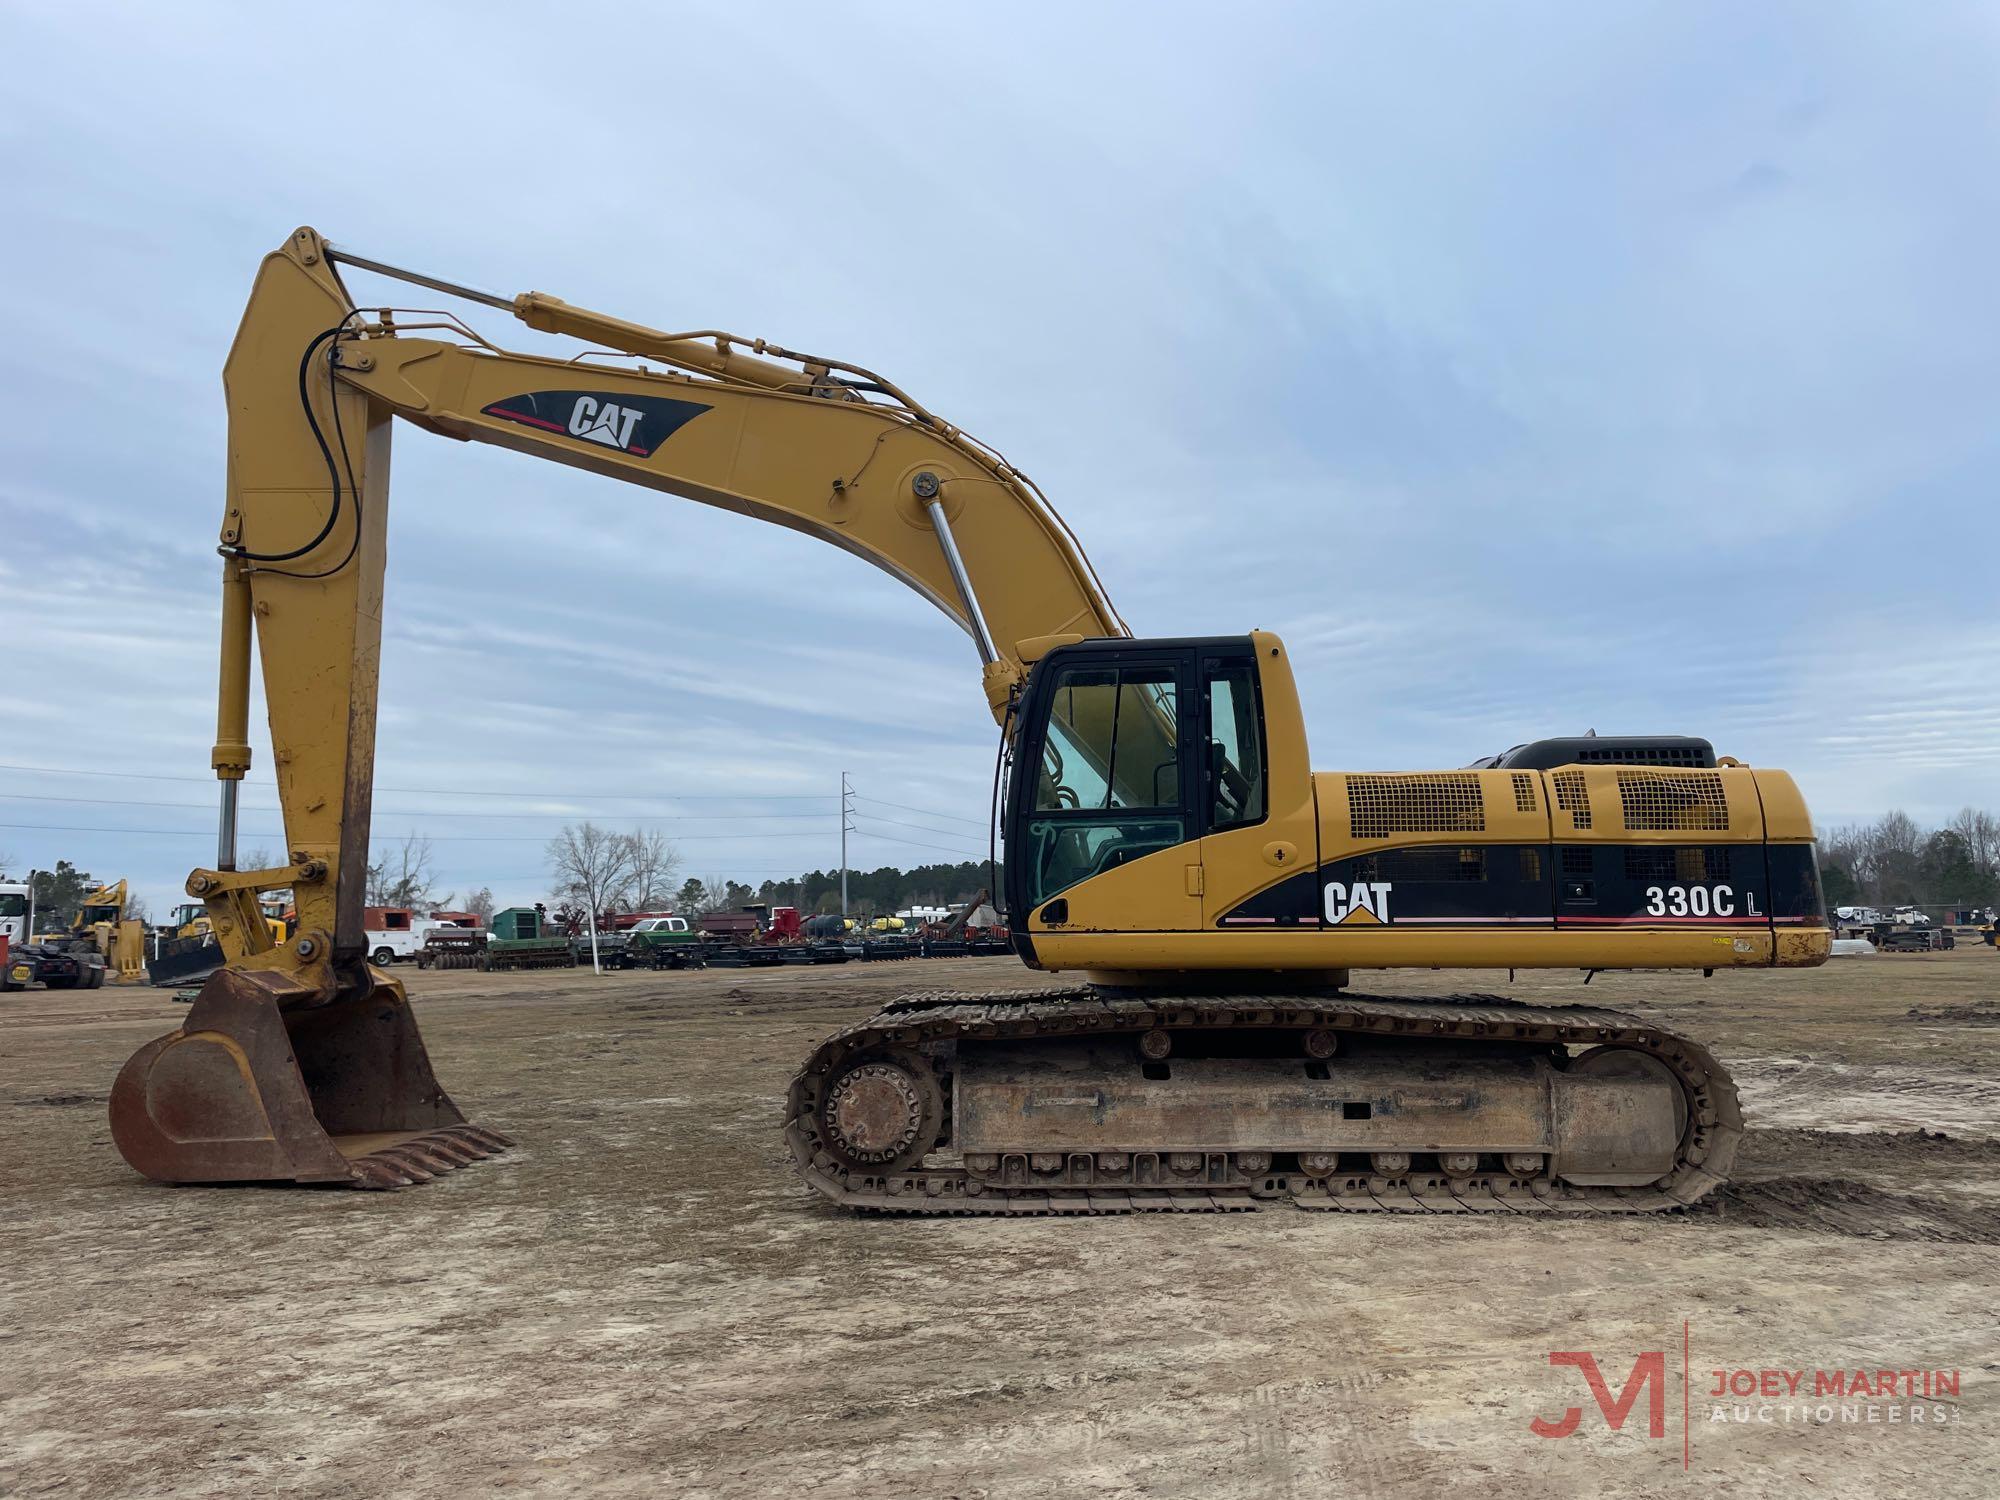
(1530, 369)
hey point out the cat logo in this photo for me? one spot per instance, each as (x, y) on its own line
(603, 422)
(1365, 901)
(630, 424)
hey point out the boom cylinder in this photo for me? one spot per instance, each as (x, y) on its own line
(231, 755)
(963, 581)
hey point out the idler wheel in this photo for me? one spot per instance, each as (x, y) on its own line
(882, 1112)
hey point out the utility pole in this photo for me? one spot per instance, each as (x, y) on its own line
(846, 827)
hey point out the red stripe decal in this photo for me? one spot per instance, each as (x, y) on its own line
(521, 416)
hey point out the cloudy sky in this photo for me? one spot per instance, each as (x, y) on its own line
(1532, 369)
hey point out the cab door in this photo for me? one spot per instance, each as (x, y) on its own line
(1253, 785)
(1102, 835)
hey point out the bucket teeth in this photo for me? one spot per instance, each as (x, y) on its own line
(372, 1172)
(424, 1157)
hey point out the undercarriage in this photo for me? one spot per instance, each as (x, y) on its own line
(1087, 1101)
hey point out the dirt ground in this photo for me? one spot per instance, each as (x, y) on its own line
(642, 1300)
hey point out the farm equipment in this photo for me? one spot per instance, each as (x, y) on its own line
(518, 938)
(453, 945)
(1166, 837)
(1899, 937)
(973, 930)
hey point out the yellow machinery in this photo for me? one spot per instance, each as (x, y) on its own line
(120, 939)
(187, 950)
(101, 943)
(1165, 835)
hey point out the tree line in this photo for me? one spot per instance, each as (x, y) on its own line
(1895, 861)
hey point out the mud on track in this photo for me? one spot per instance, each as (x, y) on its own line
(641, 1300)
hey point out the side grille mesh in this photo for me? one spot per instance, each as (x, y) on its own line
(1435, 862)
(1572, 797)
(1665, 863)
(1525, 799)
(1423, 802)
(1670, 801)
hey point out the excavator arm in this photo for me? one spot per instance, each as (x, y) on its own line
(314, 385)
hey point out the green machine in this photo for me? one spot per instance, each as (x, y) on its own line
(517, 939)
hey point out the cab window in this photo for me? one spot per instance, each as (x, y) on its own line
(1108, 788)
(1233, 758)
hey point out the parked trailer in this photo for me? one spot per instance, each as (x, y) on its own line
(663, 943)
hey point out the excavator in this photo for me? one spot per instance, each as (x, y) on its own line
(1167, 842)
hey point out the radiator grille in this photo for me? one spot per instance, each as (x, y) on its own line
(1668, 864)
(1673, 800)
(1425, 802)
(1439, 862)
(1572, 797)
(1579, 861)
(1651, 755)
(1525, 799)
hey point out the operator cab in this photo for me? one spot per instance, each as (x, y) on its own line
(1125, 748)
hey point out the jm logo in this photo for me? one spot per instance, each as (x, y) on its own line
(1649, 1374)
(603, 422)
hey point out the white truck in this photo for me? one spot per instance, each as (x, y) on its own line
(14, 913)
(393, 932)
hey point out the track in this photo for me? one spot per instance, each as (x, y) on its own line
(920, 1034)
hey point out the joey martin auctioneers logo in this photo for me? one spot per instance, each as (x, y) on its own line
(1915, 1397)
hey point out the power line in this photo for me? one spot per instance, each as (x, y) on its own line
(441, 812)
(447, 791)
(420, 791)
(440, 838)
(950, 833)
(904, 806)
(916, 844)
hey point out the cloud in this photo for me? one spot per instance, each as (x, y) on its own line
(1630, 371)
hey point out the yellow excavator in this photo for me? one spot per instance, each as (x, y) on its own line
(1166, 837)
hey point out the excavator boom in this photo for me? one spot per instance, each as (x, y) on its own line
(313, 387)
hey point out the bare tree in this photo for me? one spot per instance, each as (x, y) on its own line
(1981, 832)
(403, 877)
(655, 863)
(261, 858)
(594, 866)
(480, 904)
(715, 895)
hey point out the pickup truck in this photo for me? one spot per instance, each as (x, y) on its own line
(663, 943)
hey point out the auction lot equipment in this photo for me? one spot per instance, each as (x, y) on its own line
(1165, 835)
(517, 938)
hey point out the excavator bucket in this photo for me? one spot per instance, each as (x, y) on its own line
(262, 1086)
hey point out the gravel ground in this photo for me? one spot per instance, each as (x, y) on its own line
(642, 1300)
